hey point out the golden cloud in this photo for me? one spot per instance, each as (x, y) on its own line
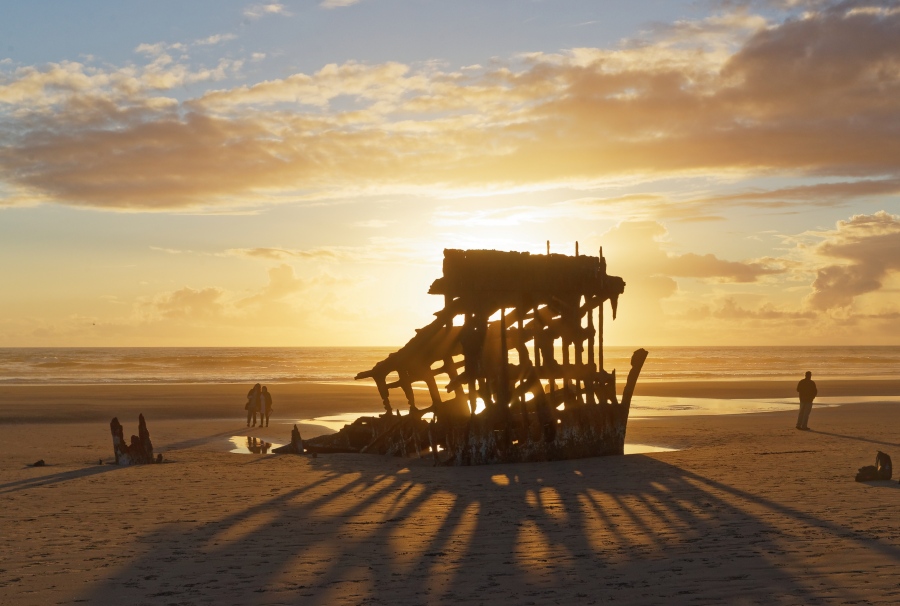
(869, 245)
(210, 305)
(818, 95)
(190, 304)
(378, 250)
(638, 244)
(282, 284)
(709, 266)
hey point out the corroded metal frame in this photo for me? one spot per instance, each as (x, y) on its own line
(501, 410)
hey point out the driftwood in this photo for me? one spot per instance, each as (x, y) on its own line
(139, 451)
(296, 445)
(531, 408)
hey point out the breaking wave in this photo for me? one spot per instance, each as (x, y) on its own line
(340, 364)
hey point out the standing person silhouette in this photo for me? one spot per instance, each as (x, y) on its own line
(252, 405)
(807, 390)
(266, 407)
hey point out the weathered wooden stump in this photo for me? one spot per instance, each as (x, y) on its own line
(139, 451)
(296, 445)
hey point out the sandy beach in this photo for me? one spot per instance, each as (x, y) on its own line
(747, 511)
(562, 228)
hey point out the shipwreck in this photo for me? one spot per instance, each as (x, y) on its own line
(513, 366)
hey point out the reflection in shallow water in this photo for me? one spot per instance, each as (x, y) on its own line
(336, 422)
(644, 448)
(661, 406)
(251, 445)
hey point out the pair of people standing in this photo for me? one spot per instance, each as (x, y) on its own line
(259, 401)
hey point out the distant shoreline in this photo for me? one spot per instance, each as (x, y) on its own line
(691, 388)
(98, 402)
(666, 366)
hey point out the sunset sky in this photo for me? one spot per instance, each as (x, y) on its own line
(229, 173)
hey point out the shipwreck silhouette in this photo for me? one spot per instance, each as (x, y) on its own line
(499, 305)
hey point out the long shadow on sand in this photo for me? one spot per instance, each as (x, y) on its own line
(194, 442)
(857, 438)
(619, 529)
(55, 478)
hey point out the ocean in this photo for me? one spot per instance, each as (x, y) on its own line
(152, 365)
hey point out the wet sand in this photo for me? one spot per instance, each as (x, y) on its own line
(749, 511)
(70, 403)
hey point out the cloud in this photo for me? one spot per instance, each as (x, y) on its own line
(731, 310)
(816, 95)
(158, 48)
(378, 250)
(869, 245)
(256, 11)
(709, 266)
(189, 304)
(215, 39)
(171, 251)
(503, 217)
(705, 206)
(661, 306)
(282, 284)
(823, 194)
(338, 3)
(375, 223)
(281, 254)
(384, 82)
(776, 4)
(643, 240)
(213, 304)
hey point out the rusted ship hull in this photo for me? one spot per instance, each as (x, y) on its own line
(589, 432)
(540, 433)
(598, 430)
(536, 409)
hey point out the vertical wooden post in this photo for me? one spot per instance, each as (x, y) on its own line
(503, 393)
(590, 347)
(600, 335)
(521, 311)
(579, 349)
(470, 369)
(600, 314)
(592, 370)
(520, 324)
(566, 361)
(551, 363)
